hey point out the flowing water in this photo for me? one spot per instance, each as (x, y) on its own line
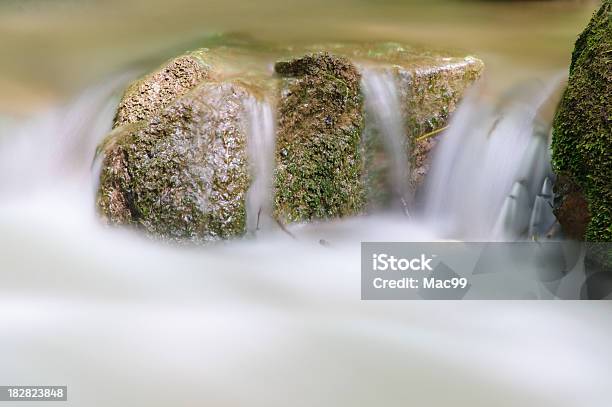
(122, 320)
(260, 145)
(277, 320)
(383, 106)
(491, 165)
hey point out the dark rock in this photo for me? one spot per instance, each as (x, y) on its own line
(570, 208)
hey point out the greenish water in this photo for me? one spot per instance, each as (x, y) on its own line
(51, 49)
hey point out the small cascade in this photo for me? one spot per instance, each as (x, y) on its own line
(514, 219)
(383, 108)
(166, 310)
(260, 145)
(490, 167)
(60, 143)
(542, 219)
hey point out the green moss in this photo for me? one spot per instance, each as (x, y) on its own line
(582, 130)
(180, 177)
(319, 166)
(430, 89)
(176, 167)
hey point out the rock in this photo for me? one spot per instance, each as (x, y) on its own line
(184, 174)
(430, 94)
(176, 163)
(318, 155)
(430, 86)
(582, 134)
(148, 96)
(571, 207)
(430, 83)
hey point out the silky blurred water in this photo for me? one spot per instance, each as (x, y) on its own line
(384, 109)
(265, 321)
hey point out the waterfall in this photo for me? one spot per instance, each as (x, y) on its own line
(384, 109)
(260, 146)
(490, 166)
(542, 219)
(519, 216)
(58, 145)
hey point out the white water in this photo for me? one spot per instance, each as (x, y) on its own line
(57, 146)
(542, 219)
(383, 105)
(489, 167)
(260, 145)
(266, 322)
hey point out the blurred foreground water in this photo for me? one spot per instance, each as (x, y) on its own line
(275, 320)
(125, 321)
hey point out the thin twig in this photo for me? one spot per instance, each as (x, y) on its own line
(258, 216)
(431, 133)
(283, 228)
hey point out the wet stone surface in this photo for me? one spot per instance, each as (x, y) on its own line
(176, 163)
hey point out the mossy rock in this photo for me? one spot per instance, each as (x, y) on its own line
(430, 85)
(430, 95)
(148, 96)
(430, 82)
(582, 130)
(318, 152)
(183, 175)
(176, 163)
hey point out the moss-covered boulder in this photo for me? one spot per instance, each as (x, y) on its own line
(318, 155)
(183, 175)
(582, 135)
(176, 163)
(430, 82)
(430, 85)
(430, 93)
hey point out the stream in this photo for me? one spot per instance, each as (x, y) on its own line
(276, 318)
